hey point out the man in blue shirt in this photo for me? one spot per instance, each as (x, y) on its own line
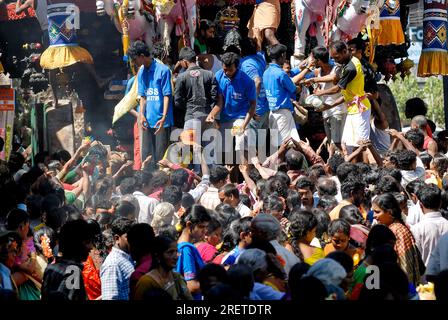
(155, 110)
(280, 88)
(132, 54)
(254, 64)
(237, 99)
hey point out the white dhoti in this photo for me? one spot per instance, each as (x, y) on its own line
(356, 128)
(282, 126)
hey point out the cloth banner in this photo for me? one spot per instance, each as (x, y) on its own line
(63, 20)
(126, 104)
(434, 57)
(390, 24)
(7, 106)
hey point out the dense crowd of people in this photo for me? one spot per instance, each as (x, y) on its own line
(88, 226)
(367, 221)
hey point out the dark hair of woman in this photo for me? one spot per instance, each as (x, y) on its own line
(302, 222)
(387, 202)
(161, 244)
(196, 215)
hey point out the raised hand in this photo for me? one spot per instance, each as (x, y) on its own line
(244, 168)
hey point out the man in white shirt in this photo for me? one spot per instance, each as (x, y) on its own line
(218, 178)
(333, 164)
(139, 187)
(415, 213)
(411, 167)
(432, 226)
(229, 194)
(334, 118)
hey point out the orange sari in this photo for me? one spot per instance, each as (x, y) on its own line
(92, 280)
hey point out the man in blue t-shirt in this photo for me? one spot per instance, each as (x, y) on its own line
(254, 64)
(132, 54)
(155, 110)
(280, 88)
(237, 100)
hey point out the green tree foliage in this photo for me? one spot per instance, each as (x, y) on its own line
(431, 91)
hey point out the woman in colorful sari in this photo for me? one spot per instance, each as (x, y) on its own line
(162, 275)
(27, 274)
(339, 233)
(438, 167)
(91, 271)
(302, 231)
(387, 211)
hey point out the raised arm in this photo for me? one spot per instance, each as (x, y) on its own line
(355, 154)
(380, 118)
(332, 77)
(310, 155)
(298, 78)
(20, 7)
(265, 173)
(332, 90)
(375, 154)
(65, 169)
(273, 159)
(400, 137)
(244, 169)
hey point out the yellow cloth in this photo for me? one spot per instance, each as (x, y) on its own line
(391, 32)
(177, 288)
(317, 255)
(1, 68)
(334, 214)
(434, 180)
(126, 104)
(355, 90)
(355, 253)
(174, 153)
(63, 56)
(433, 63)
(38, 227)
